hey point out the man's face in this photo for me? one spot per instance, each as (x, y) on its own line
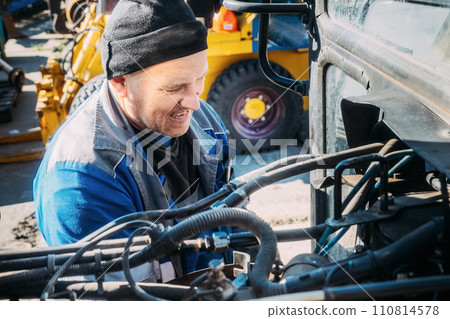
(163, 97)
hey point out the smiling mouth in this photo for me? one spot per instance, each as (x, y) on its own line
(179, 115)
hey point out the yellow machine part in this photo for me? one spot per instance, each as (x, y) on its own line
(254, 108)
(49, 92)
(57, 89)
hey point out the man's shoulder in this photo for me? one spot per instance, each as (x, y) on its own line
(76, 139)
(77, 131)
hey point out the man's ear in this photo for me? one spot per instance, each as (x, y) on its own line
(119, 86)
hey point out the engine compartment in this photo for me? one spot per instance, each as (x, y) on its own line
(402, 226)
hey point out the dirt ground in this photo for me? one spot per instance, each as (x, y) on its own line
(283, 205)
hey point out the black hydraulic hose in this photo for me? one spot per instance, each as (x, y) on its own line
(197, 224)
(137, 290)
(287, 235)
(39, 274)
(283, 162)
(308, 233)
(319, 162)
(154, 215)
(372, 291)
(420, 240)
(389, 288)
(65, 249)
(36, 275)
(300, 87)
(58, 260)
(240, 6)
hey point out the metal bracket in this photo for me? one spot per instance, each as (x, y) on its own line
(243, 260)
(221, 242)
(371, 215)
(99, 278)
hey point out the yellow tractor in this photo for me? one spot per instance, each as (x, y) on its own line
(252, 107)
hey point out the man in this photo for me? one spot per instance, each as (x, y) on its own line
(105, 160)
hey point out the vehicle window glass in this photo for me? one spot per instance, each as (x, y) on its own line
(417, 28)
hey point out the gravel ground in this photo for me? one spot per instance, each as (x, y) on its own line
(283, 205)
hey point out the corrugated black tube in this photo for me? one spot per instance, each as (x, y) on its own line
(389, 288)
(44, 273)
(259, 277)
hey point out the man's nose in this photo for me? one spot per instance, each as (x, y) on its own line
(191, 99)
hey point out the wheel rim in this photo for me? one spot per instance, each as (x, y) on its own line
(247, 117)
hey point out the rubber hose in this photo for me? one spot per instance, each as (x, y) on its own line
(229, 217)
(389, 288)
(38, 274)
(286, 235)
(415, 242)
(65, 249)
(42, 261)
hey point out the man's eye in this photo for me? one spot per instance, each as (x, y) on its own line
(173, 89)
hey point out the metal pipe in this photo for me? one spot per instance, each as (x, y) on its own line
(291, 84)
(352, 162)
(281, 8)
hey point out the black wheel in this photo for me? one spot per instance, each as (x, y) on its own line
(253, 108)
(86, 91)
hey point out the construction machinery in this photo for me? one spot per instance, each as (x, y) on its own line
(379, 167)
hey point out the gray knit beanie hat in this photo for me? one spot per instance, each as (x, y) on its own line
(142, 33)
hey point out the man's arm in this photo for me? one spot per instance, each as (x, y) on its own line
(74, 199)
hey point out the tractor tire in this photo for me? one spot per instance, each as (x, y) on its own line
(86, 91)
(253, 109)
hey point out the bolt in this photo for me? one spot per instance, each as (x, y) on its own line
(263, 118)
(260, 97)
(242, 112)
(250, 121)
(247, 99)
(216, 264)
(268, 106)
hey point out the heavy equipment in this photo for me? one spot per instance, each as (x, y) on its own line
(379, 167)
